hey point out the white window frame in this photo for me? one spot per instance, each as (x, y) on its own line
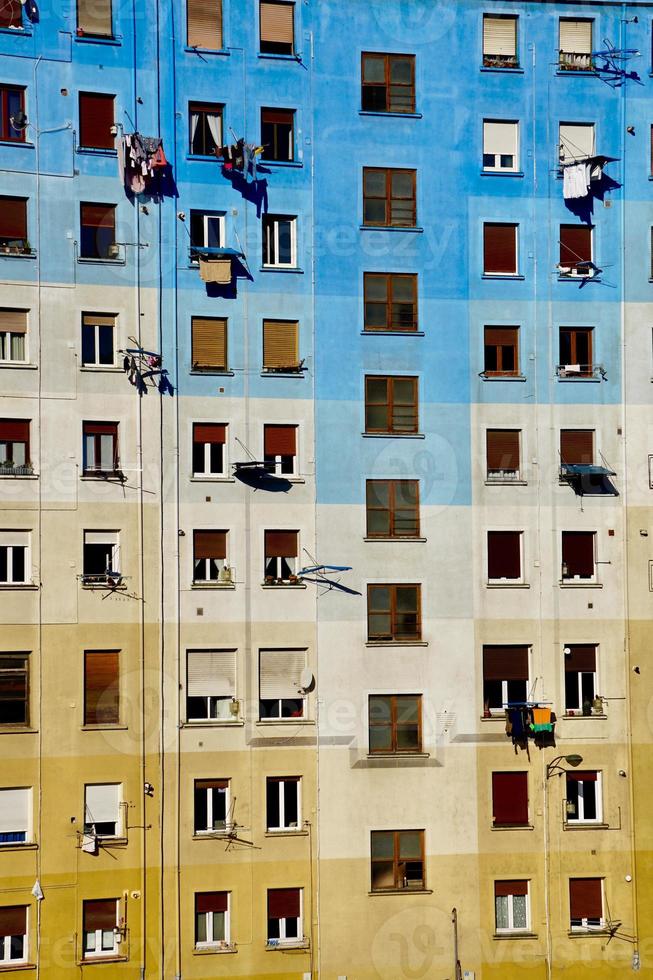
(283, 938)
(210, 700)
(207, 473)
(209, 808)
(271, 231)
(5, 946)
(115, 548)
(511, 914)
(7, 335)
(283, 826)
(576, 580)
(500, 711)
(277, 466)
(27, 558)
(98, 952)
(96, 341)
(209, 216)
(215, 943)
(28, 829)
(506, 581)
(575, 155)
(118, 827)
(579, 675)
(579, 817)
(497, 168)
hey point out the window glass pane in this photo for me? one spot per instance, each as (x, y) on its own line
(501, 911)
(402, 184)
(285, 242)
(17, 347)
(218, 927)
(403, 392)
(406, 599)
(383, 874)
(379, 598)
(374, 210)
(382, 844)
(407, 738)
(376, 287)
(19, 564)
(402, 289)
(407, 708)
(378, 522)
(19, 453)
(410, 844)
(200, 927)
(374, 183)
(401, 70)
(374, 69)
(376, 391)
(519, 911)
(105, 335)
(106, 452)
(380, 709)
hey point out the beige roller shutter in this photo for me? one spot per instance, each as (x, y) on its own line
(277, 22)
(94, 17)
(211, 673)
(576, 36)
(500, 137)
(500, 35)
(280, 673)
(209, 342)
(576, 141)
(205, 24)
(14, 321)
(99, 319)
(280, 343)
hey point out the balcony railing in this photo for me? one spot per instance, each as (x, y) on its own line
(16, 469)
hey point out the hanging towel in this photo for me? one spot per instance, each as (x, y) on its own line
(542, 720)
(516, 721)
(215, 270)
(575, 181)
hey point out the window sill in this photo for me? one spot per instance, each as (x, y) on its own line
(507, 585)
(102, 369)
(503, 275)
(415, 229)
(24, 143)
(215, 586)
(506, 483)
(397, 756)
(581, 585)
(397, 643)
(284, 722)
(585, 825)
(580, 716)
(112, 841)
(96, 151)
(276, 268)
(16, 31)
(90, 960)
(212, 372)
(215, 950)
(575, 381)
(392, 333)
(19, 476)
(18, 365)
(502, 377)
(212, 723)
(17, 846)
(402, 891)
(290, 164)
(279, 57)
(17, 255)
(211, 479)
(502, 828)
(211, 835)
(578, 279)
(393, 435)
(6, 968)
(576, 71)
(18, 587)
(285, 585)
(86, 260)
(288, 374)
(286, 833)
(515, 935)
(496, 717)
(116, 42)
(406, 540)
(502, 173)
(17, 730)
(392, 115)
(202, 157)
(197, 50)
(104, 728)
(599, 931)
(503, 71)
(104, 587)
(286, 944)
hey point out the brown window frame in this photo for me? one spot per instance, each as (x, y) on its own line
(505, 473)
(565, 576)
(15, 432)
(394, 312)
(22, 670)
(388, 198)
(505, 579)
(579, 664)
(89, 123)
(371, 89)
(392, 426)
(395, 635)
(221, 324)
(398, 863)
(586, 370)
(395, 725)
(575, 887)
(395, 488)
(498, 267)
(13, 235)
(272, 149)
(500, 371)
(506, 671)
(100, 428)
(7, 132)
(203, 109)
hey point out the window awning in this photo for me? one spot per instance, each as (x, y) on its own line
(585, 469)
(218, 253)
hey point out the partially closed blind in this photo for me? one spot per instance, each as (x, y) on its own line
(280, 343)
(577, 446)
(14, 810)
(510, 797)
(280, 673)
(211, 673)
(101, 687)
(205, 24)
(504, 554)
(582, 657)
(99, 319)
(500, 248)
(13, 320)
(98, 215)
(100, 914)
(103, 802)
(576, 141)
(576, 36)
(505, 663)
(13, 217)
(283, 903)
(578, 553)
(211, 901)
(281, 544)
(277, 22)
(510, 888)
(500, 35)
(94, 17)
(503, 449)
(211, 432)
(13, 920)
(210, 544)
(280, 440)
(14, 430)
(586, 776)
(585, 898)
(209, 342)
(499, 137)
(575, 244)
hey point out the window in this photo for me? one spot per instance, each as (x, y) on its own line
(13, 926)
(575, 45)
(101, 687)
(100, 927)
(96, 118)
(575, 249)
(576, 141)
(397, 860)
(11, 14)
(15, 566)
(284, 915)
(211, 810)
(98, 231)
(280, 449)
(580, 676)
(277, 27)
(13, 225)
(502, 454)
(278, 134)
(209, 449)
(389, 197)
(100, 448)
(510, 799)
(390, 301)
(394, 613)
(283, 803)
(391, 404)
(583, 797)
(395, 723)
(14, 689)
(101, 553)
(12, 111)
(577, 446)
(205, 127)
(500, 146)
(388, 83)
(209, 555)
(499, 250)
(204, 24)
(576, 351)
(15, 813)
(280, 692)
(279, 241)
(94, 18)
(501, 351)
(13, 333)
(392, 508)
(102, 816)
(504, 558)
(500, 42)
(211, 919)
(210, 684)
(98, 339)
(14, 446)
(505, 677)
(511, 909)
(578, 561)
(281, 346)
(206, 231)
(209, 337)
(586, 902)
(281, 551)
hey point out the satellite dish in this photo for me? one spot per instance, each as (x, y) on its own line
(306, 681)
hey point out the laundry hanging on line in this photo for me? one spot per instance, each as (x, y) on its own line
(575, 181)
(241, 157)
(140, 158)
(215, 270)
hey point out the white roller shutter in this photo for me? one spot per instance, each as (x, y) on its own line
(500, 35)
(18, 539)
(500, 137)
(14, 811)
(280, 673)
(102, 802)
(576, 141)
(576, 36)
(101, 537)
(211, 673)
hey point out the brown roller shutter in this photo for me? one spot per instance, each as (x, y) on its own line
(277, 22)
(510, 888)
(210, 433)
(585, 898)
(96, 117)
(577, 446)
(211, 784)
(505, 663)
(578, 553)
(504, 554)
(101, 687)
(210, 544)
(100, 914)
(280, 343)
(101, 428)
(14, 430)
(283, 903)
(13, 920)
(575, 244)
(13, 217)
(582, 777)
(211, 901)
(280, 440)
(205, 24)
(505, 336)
(281, 544)
(98, 216)
(500, 248)
(99, 319)
(582, 657)
(209, 342)
(503, 449)
(510, 797)
(14, 321)
(94, 17)
(285, 116)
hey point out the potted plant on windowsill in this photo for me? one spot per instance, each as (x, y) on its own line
(293, 579)
(486, 710)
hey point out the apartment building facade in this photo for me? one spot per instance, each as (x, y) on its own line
(325, 489)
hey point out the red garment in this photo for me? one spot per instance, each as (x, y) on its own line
(158, 159)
